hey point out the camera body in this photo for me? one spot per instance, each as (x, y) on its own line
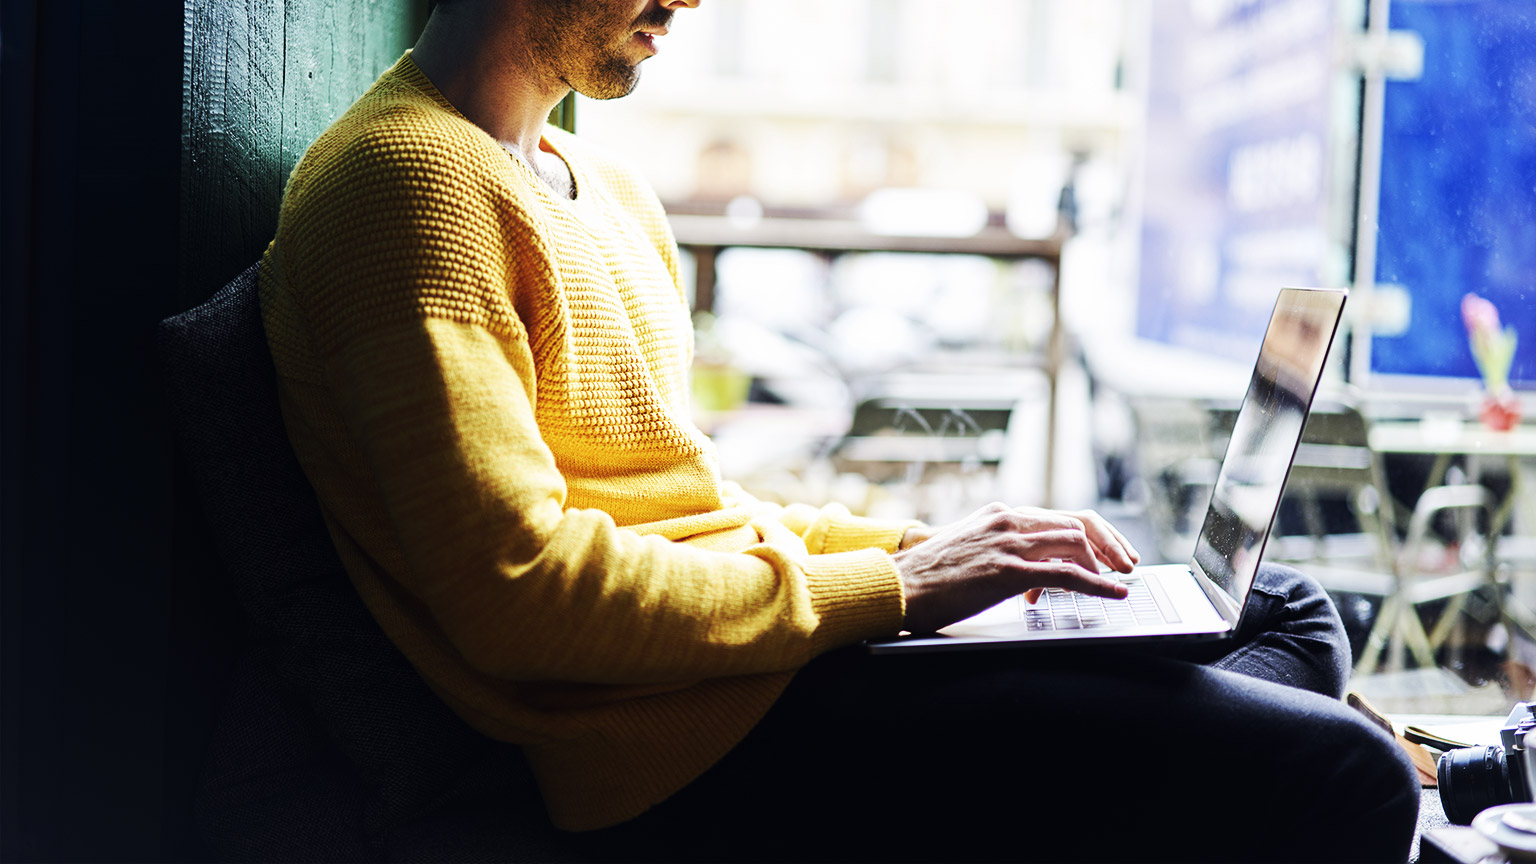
(1472, 779)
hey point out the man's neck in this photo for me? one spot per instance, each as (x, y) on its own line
(555, 174)
(472, 55)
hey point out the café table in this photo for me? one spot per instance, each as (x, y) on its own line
(1447, 438)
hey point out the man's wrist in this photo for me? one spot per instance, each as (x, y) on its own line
(913, 536)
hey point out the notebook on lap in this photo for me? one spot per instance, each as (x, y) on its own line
(1204, 599)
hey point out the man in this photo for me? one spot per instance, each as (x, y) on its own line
(483, 353)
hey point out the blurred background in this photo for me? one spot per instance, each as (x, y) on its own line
(1025, 250)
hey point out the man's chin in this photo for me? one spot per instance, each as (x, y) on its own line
(614, 85)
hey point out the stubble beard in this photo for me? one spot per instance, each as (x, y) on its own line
(581, 47)
(610, 78)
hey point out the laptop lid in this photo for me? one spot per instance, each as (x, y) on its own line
(1265, 437)
(1244, 499)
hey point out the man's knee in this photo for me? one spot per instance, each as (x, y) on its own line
(1289, 608)
(1286, 581)
(1306, 602)
(1368, 791)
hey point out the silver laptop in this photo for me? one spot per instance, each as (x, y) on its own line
(1204, 599)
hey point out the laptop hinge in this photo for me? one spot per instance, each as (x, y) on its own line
(1220, 599)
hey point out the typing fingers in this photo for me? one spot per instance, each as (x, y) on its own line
(1106, 544)
(1109, 545)
(1062, 559)
(1064, 574)
(1063, 544)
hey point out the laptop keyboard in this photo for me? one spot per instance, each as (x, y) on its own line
(1060, 609)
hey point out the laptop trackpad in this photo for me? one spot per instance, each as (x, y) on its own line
(1006, 612)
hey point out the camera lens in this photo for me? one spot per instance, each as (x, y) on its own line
(1472, 779)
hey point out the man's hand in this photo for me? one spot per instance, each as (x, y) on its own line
(999, 551)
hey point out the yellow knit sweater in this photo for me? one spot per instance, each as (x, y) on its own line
(487, 386)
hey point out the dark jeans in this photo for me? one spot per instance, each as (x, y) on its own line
(1241, 751)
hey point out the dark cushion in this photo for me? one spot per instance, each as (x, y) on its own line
(329, 746)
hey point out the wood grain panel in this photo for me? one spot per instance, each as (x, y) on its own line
(261, 79)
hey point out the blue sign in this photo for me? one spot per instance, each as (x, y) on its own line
(1238, 168)
(1458, 184)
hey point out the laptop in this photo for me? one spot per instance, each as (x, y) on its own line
(1204, 599)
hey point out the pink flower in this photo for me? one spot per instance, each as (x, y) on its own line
(1479, 315)
(1493, 348)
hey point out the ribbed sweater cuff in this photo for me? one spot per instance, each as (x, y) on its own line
(847, 533)
(856, 595)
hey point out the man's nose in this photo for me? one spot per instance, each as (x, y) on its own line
(680, 4)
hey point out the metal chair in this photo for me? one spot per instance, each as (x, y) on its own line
(1335, 461)
(1398, 622)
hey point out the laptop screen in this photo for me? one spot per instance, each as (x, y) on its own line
(1265, 436)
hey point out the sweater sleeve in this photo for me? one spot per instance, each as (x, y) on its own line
(422, 350)
(830, 528)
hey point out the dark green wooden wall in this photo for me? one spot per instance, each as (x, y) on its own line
(262, 79)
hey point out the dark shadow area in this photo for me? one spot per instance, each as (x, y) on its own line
(99, 718)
